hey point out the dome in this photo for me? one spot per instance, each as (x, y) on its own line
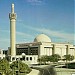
(23, 54)
(42, 38)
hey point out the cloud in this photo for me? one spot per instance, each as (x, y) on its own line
(17, 33)
(19, 36)
(23, 34)
(23, 37)
(19, 20)
(4, 43)
(4, 40)
(56, 34)
(36, 2)
(5, 31)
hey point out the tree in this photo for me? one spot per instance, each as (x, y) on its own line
(20, 67)
(39, 60)
(54, 58)
(4, 66)
(68, 57)
(43, 59)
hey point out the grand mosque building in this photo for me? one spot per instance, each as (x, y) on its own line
(41, 45)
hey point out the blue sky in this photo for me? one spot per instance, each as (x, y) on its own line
(54, 18)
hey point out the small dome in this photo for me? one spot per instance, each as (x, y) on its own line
(23, 54)
(42, 38)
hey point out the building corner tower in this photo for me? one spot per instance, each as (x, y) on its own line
(12, 17)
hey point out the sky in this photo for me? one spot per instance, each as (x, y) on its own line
(55, 18)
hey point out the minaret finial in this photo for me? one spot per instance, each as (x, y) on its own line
(12, 8)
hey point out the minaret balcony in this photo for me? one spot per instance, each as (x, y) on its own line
(12, 16)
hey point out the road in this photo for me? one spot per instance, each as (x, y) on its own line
(49, 70)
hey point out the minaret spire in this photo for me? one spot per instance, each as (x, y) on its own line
(12, 8)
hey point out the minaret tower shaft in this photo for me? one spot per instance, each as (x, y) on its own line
(12, 17)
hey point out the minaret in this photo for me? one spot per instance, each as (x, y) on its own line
(12, 17)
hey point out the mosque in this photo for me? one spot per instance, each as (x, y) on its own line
(41, 45)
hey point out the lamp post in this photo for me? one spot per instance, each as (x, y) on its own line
(18, 66)
(74, 53)
(61, 59)
(13, 70)
(2, 69)
(61, 53)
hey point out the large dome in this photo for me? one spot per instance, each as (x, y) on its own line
(42, 38)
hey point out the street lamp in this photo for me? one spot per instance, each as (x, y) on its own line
(61, 53)
(18, 66)
(2, 69)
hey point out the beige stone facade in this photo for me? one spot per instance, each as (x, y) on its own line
(42, 47)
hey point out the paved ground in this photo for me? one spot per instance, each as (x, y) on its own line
(34, 72)
(47, 70)
(59, 71)
(64, 71)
